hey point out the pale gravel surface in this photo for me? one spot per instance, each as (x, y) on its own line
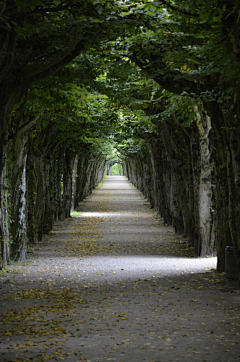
(115, 284)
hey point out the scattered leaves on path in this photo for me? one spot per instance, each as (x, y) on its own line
(96, 290)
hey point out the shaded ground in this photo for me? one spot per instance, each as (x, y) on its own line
(114, 284)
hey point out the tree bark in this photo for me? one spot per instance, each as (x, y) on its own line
(40, 176)
(74, 176)
(19, 210)
(4, 220)
(207, 243)
(68, 182)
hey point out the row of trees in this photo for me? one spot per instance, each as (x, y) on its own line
(191, 51)
(52, 163)
(53, 125)
(159, 79)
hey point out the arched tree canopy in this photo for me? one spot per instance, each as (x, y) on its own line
(153, 85)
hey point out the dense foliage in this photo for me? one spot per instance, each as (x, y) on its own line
(153, 85)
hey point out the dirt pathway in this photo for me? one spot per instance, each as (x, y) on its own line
(113, 284)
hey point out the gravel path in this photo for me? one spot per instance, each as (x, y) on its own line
(115, 284)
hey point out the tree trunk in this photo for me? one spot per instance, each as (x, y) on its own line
(160, 165)
(178, 154)
(58, 185)
(67, 182)
(4, 220)
(19, 210)
(74, 182)
(207, 243)
(48, 214)
(109, 169)
(222, 175)
(40, 176)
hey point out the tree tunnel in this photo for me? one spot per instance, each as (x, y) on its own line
(114, 168)
(145, 89)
